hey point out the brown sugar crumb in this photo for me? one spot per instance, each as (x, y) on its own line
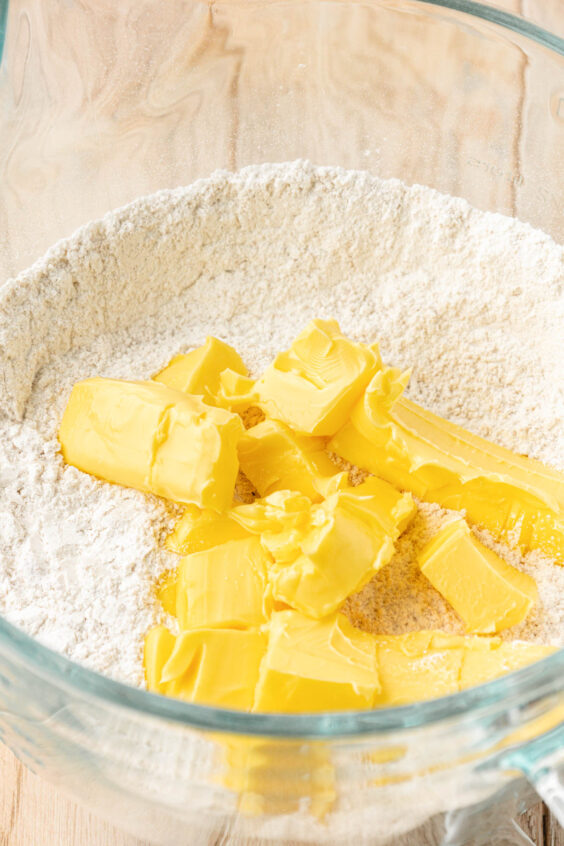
(244, 489)
(399, 598)
(252, 416)
(356, 475)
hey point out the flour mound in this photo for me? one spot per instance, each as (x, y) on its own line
(474, 302)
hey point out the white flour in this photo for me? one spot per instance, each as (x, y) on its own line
(473, 301)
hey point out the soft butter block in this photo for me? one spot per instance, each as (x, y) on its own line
(423, 665)
(485, 591)
(225, 586)
(148, 436)
(207, 666)
(165, 590)
(316, 665)
(198, 372)
(200, 529)
(511, 495)
(414, 667)
(280, 776)
(235, 391)
(382, 504)
(313, 386)
(322, 553)
(275, 459)
(489, 658)
(159, 643)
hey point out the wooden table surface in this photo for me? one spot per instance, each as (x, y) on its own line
(32, 813)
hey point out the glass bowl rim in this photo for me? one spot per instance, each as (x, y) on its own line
(531, 682)
(59, 670)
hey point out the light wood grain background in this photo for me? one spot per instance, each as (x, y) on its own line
(32, 813)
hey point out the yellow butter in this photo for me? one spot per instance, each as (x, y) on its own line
(147, 436)
(513, 496)
(225, 586)
(166, 590)
(281, 776)
(413, 668)
(200, 529)
(316, 665)
(316, 568)
(490, 658)
(382, 504)
(206, 666)
(199, 371)
(485, 591)
(327, 485)
(159, 643)
(324, 552)
(275, 459)
(235, 391)
(313, 386)
(417, 666)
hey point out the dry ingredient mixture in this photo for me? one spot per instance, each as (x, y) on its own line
(474, 301)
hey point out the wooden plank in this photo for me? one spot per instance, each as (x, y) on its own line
(541, 162)
(348, 96)
(532, 824)
(32, 813)
(86, 110)
(553, 833)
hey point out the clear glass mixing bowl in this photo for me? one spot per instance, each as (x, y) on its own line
(102, 102)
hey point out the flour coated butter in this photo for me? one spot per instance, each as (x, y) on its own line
(473, 301)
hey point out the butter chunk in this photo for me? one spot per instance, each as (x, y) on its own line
(199, 529)
(206, 666)
(279, 512)
(147, 436)
(316, 665)
(382, 503)
(235, 391)
(159, 643)
(225, 586)
(166, 590)
(327, 485)
(485, 591)
(512, 496)
(324, 552)
(417, 666)
(489, 658)
(280, 776)
(274, 459)
(423, 665)
(313, 386)
(199, 371)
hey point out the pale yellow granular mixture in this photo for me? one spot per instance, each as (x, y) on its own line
(252, 416)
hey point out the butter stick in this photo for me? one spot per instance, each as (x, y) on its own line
(148, 436)
(516, 498)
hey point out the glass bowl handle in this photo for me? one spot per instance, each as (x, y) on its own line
(542, 763)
